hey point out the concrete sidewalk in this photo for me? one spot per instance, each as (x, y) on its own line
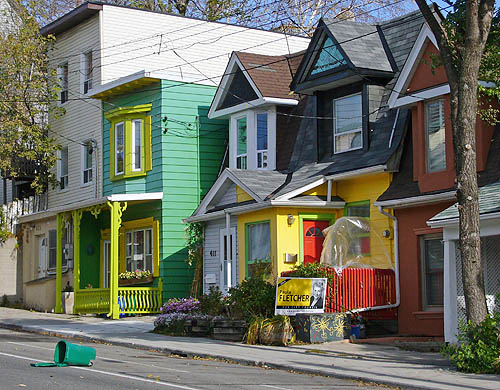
(373, 363)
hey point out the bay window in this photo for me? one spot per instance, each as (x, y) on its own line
(130, 140)
(253, 140)
(241, 141)
(347, 123)
(87, 70)
(262, 140)
(87, 151)
(62, 168)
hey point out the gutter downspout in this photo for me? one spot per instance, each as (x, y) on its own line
(329, 196)
(229, 251)
(396, 263)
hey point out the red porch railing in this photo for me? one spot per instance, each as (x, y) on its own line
(357, 288)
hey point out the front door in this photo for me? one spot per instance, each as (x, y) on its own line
(313, 239)
(42, 256)
(227, 260)
(105, 264)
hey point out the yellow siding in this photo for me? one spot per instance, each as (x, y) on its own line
(257, 216)
(285, 238)
(370, 188)
(319, 190)
(241, 195)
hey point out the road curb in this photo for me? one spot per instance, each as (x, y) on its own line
(225, 358)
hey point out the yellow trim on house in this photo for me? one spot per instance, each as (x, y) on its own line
(127, 115)
(242, 195)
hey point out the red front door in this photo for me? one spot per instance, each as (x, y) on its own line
(313, 239)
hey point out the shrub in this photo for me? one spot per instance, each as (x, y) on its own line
(252, 297)
(314, 270)
(478, 348)
(213, 302)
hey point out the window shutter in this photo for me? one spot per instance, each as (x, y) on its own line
(156, 248)
(148, 152)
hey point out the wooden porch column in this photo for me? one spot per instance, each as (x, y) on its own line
(60, 233)
(77, 217)
(117, 210)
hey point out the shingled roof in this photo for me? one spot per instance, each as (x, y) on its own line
(271, 74)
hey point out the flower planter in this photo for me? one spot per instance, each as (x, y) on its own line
(320, 328)
(134, 282)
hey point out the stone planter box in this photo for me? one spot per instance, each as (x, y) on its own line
(68, 300)
(320, 328)
(229, 330)
(134, 282)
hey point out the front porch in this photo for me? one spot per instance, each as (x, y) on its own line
(105, 242)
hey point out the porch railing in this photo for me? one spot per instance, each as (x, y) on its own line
(138, 300)
(358, 288)
(92, 300)
(131, 300)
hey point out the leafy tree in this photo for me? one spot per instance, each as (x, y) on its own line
(27, 86)
(468, 53)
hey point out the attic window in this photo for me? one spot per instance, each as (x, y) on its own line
(329, 57)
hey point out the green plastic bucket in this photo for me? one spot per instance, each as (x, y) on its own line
(73, 354)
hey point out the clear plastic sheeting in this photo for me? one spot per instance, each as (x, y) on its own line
(351, 242)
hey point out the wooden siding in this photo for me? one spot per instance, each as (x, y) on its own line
(82, 120)
(229, 197)
(189, 165)
(211, 264)
(193, 40)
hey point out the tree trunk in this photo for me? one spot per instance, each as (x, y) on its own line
(462, 76)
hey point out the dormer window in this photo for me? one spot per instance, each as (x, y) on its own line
(347, 123)
(253, 139)
(435, 155)
(241, 134)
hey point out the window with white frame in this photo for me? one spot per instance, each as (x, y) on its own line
(347, 123)
(139, 250)
(137, 144)
(258, 259)
(67, 240)
(119, 148)
(63, 75)
(432, 265)
(262, 140)
(435, 154)
(63, 168)
(87, 151)
(241, 142)
(87, 70)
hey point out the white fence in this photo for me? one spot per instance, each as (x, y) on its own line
(18, 208)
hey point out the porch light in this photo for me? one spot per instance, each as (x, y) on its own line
(291, 219)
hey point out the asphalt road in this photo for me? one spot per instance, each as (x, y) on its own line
(127, 368)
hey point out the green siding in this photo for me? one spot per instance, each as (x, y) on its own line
(186, 161)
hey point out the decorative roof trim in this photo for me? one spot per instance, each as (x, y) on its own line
(411, 64)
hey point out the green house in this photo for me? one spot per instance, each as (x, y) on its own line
(160, 156)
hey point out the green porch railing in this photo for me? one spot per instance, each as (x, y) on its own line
(139, 300)
(92, 300)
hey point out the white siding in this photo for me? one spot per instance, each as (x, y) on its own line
(211, 264)
(82, 119)
(207, 45)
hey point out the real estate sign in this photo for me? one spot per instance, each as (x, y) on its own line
(300, 295)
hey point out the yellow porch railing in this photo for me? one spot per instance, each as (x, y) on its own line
(137, 300)
(92, 300)
(131, 300)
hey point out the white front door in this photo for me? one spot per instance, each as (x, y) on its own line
(105, 264)
(227, 260)
(42, 256)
